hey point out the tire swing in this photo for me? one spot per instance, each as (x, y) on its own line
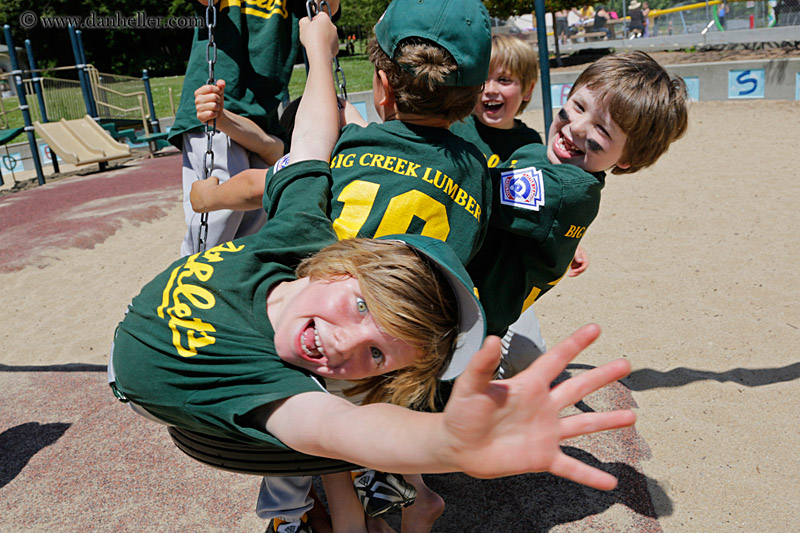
(227, 454)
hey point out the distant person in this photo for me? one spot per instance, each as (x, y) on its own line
(645, 16)
(562, 26)
(722, 13)
(636, 27)
(600, 20)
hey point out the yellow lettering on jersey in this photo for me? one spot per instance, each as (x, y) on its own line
(402, 167)
(181, 298)
(358, 197)
(450, 188)
(258, 8)
(576, 232)
(390, 159)
(471, 206)
(493, 161)
(412, 169)
(398, 168)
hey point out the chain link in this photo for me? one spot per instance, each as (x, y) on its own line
(211, 125)
(341, 82)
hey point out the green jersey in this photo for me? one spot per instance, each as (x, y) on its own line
(495, 143)
(540, 212)
(397, 177)
(257, 43)
(196, 346)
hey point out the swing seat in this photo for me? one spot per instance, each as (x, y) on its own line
(255, 459)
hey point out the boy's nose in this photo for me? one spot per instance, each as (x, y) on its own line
(348, 341)
(578, 128)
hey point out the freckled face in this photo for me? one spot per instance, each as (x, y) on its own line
(583, 134)
(328, 330)
(502, 95)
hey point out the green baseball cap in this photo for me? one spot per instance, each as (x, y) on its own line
(461, 27)
(471, 319)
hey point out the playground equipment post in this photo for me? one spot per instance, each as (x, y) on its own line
(82, 76)
(37, 87)
(153, 120)
(16, 72)
(544, 62)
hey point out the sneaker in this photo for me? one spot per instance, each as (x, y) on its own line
(381, 492)
(277, 525)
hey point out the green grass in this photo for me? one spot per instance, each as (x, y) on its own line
(357, 70)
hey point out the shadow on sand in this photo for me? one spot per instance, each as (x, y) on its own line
(20, 443)
(538, 502)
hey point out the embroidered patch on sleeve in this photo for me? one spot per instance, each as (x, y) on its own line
(281, 163)
(522, 188)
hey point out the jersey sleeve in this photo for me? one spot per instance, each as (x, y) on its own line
(539, 214)
(297, 202)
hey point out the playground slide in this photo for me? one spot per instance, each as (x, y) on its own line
(81, 141)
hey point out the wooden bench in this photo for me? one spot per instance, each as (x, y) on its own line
(587, 36)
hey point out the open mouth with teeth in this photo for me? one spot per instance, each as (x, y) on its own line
(564, 148)
(309, 341)
(492, 106)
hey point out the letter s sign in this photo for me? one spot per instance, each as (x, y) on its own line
(746, 83)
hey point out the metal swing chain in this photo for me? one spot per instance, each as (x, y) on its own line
(311, 10)
(211, 125)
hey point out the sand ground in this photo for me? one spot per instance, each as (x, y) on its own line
(693, 276)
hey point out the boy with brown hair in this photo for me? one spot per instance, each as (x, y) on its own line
(409, 174)
(622, 114)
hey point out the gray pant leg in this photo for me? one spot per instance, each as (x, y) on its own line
(521, 345)
(286, 498)
(229, 159)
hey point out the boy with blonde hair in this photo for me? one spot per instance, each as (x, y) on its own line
(493, 125)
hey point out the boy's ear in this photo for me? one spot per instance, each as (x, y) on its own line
(526, 96)
(623, 165)
(386, 93)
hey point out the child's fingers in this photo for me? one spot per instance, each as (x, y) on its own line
(574, 389)
(551, 364)
(586, 423)
(481, 369)
(570, 468)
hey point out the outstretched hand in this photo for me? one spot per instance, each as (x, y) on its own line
(507, 427)
(209, 101)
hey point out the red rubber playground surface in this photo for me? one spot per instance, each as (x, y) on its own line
(74, 459)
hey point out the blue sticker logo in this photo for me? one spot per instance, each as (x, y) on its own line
(522, 188)
(281, 163)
